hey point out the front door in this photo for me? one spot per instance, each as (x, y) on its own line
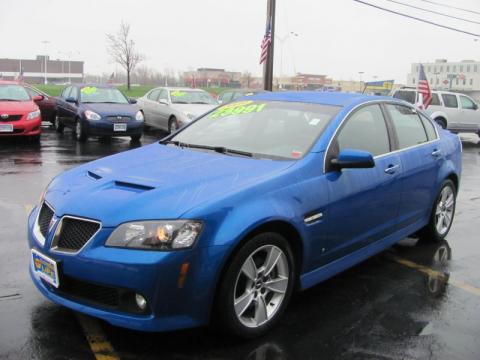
(363, 205)
(470, 117)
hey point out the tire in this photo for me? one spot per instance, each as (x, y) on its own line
(442, 122)
(80, 133)
(442, 214)
(136, 138)
(242, 283)
(172, 125)
(57, 124)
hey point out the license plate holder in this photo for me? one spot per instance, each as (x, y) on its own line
(45, 268)
(6, 128)
(119, 127)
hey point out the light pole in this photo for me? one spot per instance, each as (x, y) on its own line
(45, 43)
(360, 73)
(282, 41)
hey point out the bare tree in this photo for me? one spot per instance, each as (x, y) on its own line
(122, 50)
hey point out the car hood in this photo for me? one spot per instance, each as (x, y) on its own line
(17, 107)
(194, 109)
(111, 109)
(154, 182)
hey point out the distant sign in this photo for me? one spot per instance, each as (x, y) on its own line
(379, 85)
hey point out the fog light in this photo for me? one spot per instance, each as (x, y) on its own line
(141, 302)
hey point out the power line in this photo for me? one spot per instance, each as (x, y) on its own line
(451, 7)
(418, 19)
(433, 11)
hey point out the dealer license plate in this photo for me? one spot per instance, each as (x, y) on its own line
(119, 127)
(45, 267)
(6, 128)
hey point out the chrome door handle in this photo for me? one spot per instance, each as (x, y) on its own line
(391, 169)
(436, 153)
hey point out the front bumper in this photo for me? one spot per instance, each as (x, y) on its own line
(153, 274)
(23, 128)
(106, 128)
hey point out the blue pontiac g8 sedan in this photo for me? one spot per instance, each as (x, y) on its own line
(222, 220)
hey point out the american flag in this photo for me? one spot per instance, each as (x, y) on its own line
(423, 89)
(267, 40)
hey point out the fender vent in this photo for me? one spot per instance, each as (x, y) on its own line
(93, 175)
(133, 187)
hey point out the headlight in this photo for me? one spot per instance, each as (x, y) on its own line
(156, 235)
(91, 115)
(190, 116)
(139, 116)
(33, 115)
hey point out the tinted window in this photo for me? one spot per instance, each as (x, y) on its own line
(408, 126)
(365, 130)
(429, 127)
(408, 96)
(467, 103)
(435, 100)
(154, 94)
(450, 101)
(66, 92)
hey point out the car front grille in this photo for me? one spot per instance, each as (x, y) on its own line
(44, 218)
(74, 233)
(119, 119)
(11, 118)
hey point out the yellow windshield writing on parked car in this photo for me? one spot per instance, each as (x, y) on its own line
(88, 90)
(238, 108)
(178, 93)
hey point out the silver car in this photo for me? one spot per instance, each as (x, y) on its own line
(453, 111)
(169, 108)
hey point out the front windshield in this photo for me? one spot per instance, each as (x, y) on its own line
(268, 129)
(191, 97)
(92, 94)
(13, 93)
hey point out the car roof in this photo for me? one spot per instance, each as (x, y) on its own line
(106, 86)
(9, 82)
(316, 97)
(178, 88)
(433, 91)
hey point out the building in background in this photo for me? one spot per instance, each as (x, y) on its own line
(461, 76)
(302, 82)
(206, 77)
(36, 71)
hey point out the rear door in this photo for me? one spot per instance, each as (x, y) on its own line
(363, 202)
(421, 156)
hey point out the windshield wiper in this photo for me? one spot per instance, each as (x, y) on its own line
(219, 149)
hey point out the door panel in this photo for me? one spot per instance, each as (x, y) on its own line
(470, 116)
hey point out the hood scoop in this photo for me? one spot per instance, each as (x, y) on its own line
(93, 175)
(132, 187)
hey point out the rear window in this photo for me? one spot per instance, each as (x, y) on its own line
(408, 96)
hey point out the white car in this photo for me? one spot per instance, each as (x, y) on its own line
(453, 111)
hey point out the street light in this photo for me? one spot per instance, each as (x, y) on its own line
(45, 43)
(282, 41)
(360, 73)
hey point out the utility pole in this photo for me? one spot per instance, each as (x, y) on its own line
(268, 65)
(45, 43)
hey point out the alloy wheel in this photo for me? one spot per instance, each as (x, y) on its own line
(261, 286)
(444, 210)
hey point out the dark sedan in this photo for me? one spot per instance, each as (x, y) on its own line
(47, 104)
(98, 110)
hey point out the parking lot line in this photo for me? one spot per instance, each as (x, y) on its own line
(101, 347)
(437, 274)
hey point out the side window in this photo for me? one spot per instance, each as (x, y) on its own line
(408, 96)
(435, 100)
(467, 103)
(450, 101)
(74, 92)
(66, 92)
(163, 95)
(409, 128)
(154, 94)
(226, 97)
(429, 128)
(365, 130)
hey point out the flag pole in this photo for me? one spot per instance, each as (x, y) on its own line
(268, 64)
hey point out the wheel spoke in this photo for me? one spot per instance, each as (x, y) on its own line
(261, 311)
(278, 285)
(448, 218)
(272, 259)
(440, 223)
(243, 302)
(438, 210)
(449, 202)
(250, 269)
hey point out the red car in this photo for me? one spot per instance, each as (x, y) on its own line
(19, 115)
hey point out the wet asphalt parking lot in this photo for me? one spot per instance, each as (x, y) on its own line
(414, 301)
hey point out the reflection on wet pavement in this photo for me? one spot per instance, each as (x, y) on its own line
(418, 300)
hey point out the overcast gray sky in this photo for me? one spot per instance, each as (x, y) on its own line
(337, 38)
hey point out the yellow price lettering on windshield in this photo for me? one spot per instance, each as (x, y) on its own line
(178, 93)
(243, 107)
(89, 90)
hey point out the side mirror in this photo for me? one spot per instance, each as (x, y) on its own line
(38, 98)
(71, 99)
(475, 107)
(163, 101)
(353, 159)
(132, 101)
